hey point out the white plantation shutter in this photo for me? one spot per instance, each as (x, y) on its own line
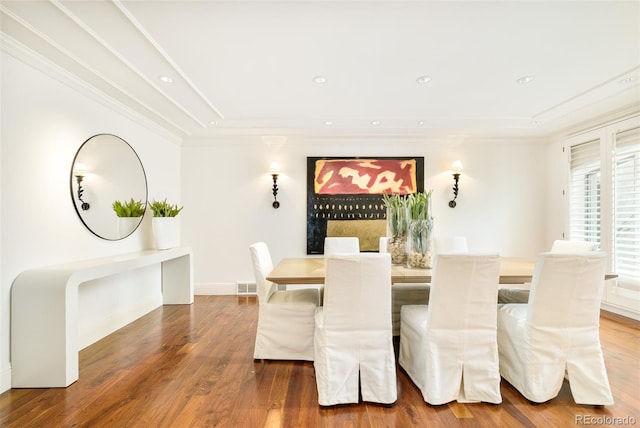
(584, 192)
(626, 213)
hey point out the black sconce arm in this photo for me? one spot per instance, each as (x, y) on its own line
(85, 205)
(275, 203)
(456, 178)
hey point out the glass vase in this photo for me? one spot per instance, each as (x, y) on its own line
(419, 244)
(397, 234)
(397, 247)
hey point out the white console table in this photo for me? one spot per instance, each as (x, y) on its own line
(44, 311)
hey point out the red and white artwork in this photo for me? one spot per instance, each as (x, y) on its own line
(365, 176)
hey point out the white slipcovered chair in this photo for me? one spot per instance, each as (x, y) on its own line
(521, 295)
(448, 348)
(557, 331)
(353, 341)
(418, 294)
(285, 318)
(341, 245)
(383, 244)
(560, 246)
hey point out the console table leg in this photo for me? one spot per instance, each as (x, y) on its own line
(177, 282)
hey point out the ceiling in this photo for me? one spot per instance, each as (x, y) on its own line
(251, 68)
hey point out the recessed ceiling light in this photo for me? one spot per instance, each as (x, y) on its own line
(525, 79)
(628, 79)
(212, 123)
(424, 79)
(320, 79)
(328, 123)
(375, 122)
(166, 79)
(422, 122)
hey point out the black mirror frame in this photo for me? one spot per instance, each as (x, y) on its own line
(82, 207)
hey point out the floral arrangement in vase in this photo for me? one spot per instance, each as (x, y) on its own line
(397, 226)
(420, 230)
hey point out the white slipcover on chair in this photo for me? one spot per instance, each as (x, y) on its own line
(353, 341)
(383, 244)
(557, 331)
(560, 246)
(418, 294)
(341, 245)
(448, 348)
(521, 295)
(285, 318)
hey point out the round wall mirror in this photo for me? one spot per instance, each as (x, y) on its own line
(106, 169)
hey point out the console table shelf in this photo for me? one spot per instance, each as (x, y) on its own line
(44, 311)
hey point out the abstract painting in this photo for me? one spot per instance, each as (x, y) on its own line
(344, 196)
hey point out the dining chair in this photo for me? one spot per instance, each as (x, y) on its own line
(556, 334)
(418, 294)
(341, 245)
(559, 246)
(285, 318)
(383, 244)
(448, 347)
(353, 342)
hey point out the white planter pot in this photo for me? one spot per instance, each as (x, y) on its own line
(166, 232)
(127, 225)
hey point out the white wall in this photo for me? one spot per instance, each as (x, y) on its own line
(44, 122)
(557, 178)
(226, 189)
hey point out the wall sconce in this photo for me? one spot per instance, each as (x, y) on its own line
(274, 170)
(80, 171)
(457, 170)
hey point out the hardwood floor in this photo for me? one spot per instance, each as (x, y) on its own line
(192, 366)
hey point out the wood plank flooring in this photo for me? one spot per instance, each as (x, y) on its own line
(192, 366)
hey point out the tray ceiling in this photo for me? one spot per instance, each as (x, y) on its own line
(413, 68)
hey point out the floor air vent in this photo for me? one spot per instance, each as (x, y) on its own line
(246, 288)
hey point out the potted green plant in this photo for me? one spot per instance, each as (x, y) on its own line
(165, 224)
(164, 209)
(130, 208)
(129, 215)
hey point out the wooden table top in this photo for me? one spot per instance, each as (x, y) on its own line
(310, 270)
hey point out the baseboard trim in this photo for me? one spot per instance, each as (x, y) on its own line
(5, 380)
(215, 289)
(620, 310)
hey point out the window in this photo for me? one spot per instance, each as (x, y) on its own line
(626, 214)
(604, 195)
(584, 207)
